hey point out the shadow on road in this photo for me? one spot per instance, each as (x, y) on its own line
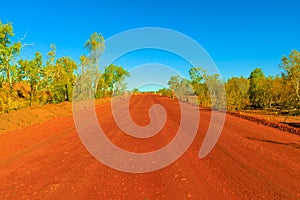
(295, 145)
(293, 124)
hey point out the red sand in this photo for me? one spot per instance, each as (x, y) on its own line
(250, 161)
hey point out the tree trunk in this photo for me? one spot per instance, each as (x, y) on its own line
(67, 92)
(30, 99)
(10, 87)
(31, 95)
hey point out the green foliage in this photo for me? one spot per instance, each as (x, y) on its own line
(291, 66)
(216, 92)
(111, 81)
(64, 78)
(257, 91)
(89, 75)
(135, 91)
(173, 84)
(58, 78)
(198, 76)
(237, 95)
(266, 92)
(51, 55)
(8, 52)
(95, 44)
(208, 88)
(54, 81)
(180, 87)
(23, 81)
(31, 72)
(165, 92)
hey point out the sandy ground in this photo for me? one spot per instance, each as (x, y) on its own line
(36, 114)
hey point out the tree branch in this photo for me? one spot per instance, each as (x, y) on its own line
(25, 44)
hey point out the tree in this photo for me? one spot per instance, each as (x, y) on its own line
(237, 96)
(89, 73)
(184, 89)
(31, 72)
(8, 52)
(165, 92)
(216, 91)
(135, 91)
(64, 76)
(58, 77)
(181, 87)
(173, 83)
(198, 75)
(291, 66)
(257, 91)
(198, 78)
(95, 47)
(47, 76)
(112, 80)
(278, 92)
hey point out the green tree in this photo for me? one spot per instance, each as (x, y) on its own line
(237, 94)
(181, 87)
(217, 96)
(278, 92)
(95, 46)
(257, 91)
(184, 89)
(173, 84)
(64, 77)
(165, 92)
(89, 74)
(135, 91)
(31, 72)
(112, 80)
(291, 66)
(47, 75)
(58, 77)
(197, 76)
(8, 53)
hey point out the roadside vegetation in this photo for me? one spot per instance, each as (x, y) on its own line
(279, 94)
(47, 79)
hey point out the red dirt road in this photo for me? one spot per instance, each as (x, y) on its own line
(250, 161)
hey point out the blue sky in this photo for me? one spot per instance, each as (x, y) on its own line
(238, 35)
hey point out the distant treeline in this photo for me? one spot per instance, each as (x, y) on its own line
(51, 80)
(39, 81)
(279, 93)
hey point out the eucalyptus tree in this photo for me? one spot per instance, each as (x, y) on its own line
(181, 87)
(65, 76)
(173, 84)
(31, 72)
(8, 52)
(291, 66)
(257, 88)
(59, 76)
(112, 81)
(89, 73)
(198, 78)
(237, 93)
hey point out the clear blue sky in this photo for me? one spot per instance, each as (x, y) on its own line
(238, 35)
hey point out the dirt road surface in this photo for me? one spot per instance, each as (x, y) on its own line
(250, 161)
